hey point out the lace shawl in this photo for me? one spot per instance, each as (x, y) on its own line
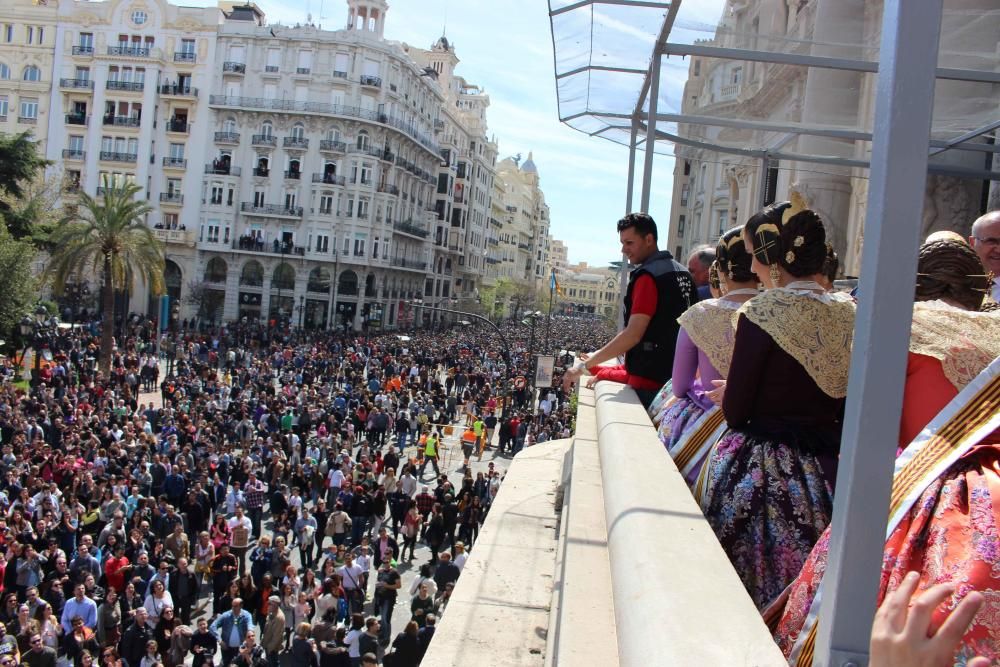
(816, 329)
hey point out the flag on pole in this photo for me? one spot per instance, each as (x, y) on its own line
(554, 284)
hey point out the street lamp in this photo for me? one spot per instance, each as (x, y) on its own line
(302, 308)
(533, 317)
(503, 341)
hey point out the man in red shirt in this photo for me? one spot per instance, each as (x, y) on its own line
(116, 568)
(659, 290)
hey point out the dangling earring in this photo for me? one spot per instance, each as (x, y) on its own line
(775, 275)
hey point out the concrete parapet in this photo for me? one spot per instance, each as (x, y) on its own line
(677, 599)
(499, 612)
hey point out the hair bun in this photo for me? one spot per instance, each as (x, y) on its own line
(803, 237)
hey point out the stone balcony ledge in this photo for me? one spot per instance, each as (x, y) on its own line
(595, 552)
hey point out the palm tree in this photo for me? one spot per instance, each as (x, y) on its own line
(110, 239)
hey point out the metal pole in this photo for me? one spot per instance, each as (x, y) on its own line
(903, 110)
(629, 193)
(654, 94)
(765, 166)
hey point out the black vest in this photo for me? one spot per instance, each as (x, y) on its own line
(653, 357)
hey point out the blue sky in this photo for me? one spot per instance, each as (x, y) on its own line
(505, 46)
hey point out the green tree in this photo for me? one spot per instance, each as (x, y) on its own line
(20, 289)
(35, 212)
(110, 239)
(20, 163)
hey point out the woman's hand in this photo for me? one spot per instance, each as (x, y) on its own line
(901, 636)
(716, 395)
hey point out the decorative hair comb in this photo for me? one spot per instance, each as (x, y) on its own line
(798, 205)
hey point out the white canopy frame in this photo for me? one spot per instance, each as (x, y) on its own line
(907, 69)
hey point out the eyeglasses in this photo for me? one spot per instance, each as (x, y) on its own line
(989, 242)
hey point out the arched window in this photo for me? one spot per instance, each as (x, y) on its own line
(319, 280)
(216, 270)
(252, 274)
(298, 131)
(4, 71)
(283, 277)
(363, 141)
(333, 134)
(229, 126)
(32, 73)
(267, 129)
(348, 283)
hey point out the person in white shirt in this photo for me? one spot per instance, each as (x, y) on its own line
(408, 484)
(234, 498)
(460, 555)
(350, 574)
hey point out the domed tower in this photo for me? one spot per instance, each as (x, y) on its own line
(367, 16)
(529, 168)
(443, 59)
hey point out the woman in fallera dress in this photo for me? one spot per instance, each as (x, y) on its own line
(946, 490)
(768, 482)
(703, 352)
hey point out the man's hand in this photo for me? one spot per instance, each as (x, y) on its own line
(901, 636)
(571, 377)
(716, 395)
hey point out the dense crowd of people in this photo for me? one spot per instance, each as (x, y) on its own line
(254, 497)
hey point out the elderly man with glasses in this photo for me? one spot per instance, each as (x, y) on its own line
(985, 240)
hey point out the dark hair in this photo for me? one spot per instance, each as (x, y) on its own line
(713, 276)
(764, 227)
(951, 270)
(803, 244)
(642, 223)
(733, 257)
(797, 245)
(832, 263)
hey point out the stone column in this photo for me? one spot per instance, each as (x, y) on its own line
(831, 98)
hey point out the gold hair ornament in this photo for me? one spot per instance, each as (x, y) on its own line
(798, 205)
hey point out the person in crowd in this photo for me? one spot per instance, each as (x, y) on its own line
(659, 290)
(985, 240)
(699, 261)
(768, 482)
(204, 645)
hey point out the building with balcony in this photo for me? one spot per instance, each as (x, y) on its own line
(714, 190)
(318, 189)
(464, 178)
(558, 255)
(589, 291)
(130, 107)
(523, 216)
(27, 46)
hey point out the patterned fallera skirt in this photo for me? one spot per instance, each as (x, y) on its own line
(677, 418)
(768, 501)
(950, 535)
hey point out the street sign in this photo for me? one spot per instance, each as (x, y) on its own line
(543, 370)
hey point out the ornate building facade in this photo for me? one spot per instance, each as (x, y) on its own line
(27, 48)
(323, 177)
(713, 190)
